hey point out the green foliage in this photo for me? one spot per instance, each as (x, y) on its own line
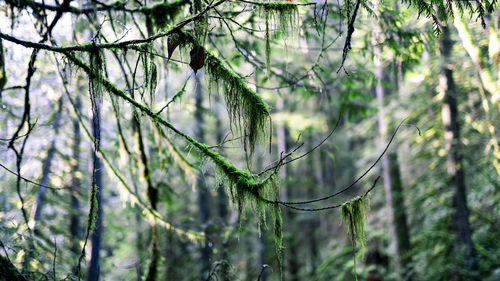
(442, 10)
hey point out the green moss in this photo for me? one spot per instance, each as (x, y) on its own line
(95, 85)
(243, 186)
(93, 209)
(247, 111)
(280, 16)
(353, 216)
(164, 13)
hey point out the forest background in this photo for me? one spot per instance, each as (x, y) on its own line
(249, 140)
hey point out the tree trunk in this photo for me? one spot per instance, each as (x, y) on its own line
(455, 175)
(36, 210)
(96, 236)
(489, 85)
(222, 206)
(398, 227)
(291, 256)
(75, 184)
(313, 220)
(203, 195)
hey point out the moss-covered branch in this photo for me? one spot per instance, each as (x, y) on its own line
(152, 214)
(242, 184)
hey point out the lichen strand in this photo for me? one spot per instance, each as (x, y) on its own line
(247, 111)
(353, 216)
(279, 16)
(164, 13)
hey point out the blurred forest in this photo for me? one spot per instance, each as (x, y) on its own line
(249, 140)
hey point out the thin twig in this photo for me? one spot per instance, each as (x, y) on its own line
(354, 182)
(350, 31)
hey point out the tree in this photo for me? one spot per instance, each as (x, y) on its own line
(134, 61)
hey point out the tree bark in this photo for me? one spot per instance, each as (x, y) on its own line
(455, 174)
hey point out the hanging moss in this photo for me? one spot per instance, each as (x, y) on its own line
(353, 216)
(246, 189)
(247, 111)
(95, 85)
(242, 185)
(280, 16)
(149, 69)
(153, 215)
(164, 13)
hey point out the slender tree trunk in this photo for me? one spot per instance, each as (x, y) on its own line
(36, 210)
(455, 174)
(203, 194)
(400, 221)
(262, 250)
(96, 236)
(291, 256)
(396, 210)
(222, 207)
(3, 76)
(75, 214)
(313, 221)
